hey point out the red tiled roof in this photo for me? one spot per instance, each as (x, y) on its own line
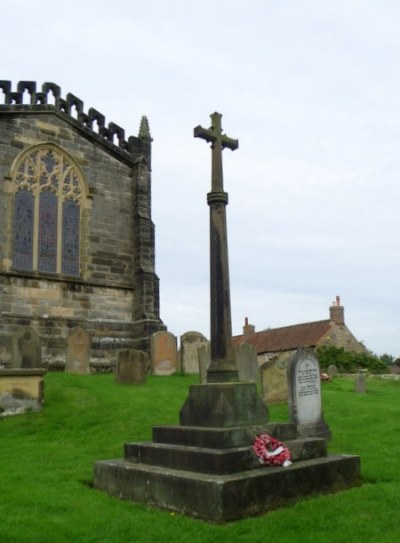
(287, 337)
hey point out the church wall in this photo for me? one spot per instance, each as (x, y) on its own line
(106, 298)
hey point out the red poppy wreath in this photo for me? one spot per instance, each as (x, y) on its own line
(271, 452)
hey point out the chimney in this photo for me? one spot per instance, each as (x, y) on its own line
(336, 312)
(248, 329)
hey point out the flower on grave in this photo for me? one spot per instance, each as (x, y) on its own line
(326, 377)
(271, 451)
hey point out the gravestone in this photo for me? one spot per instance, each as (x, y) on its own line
(246, 357)
(6, 351)
(27, 350)
(163, 353)
(78, 351)
(332, 370)
(360, 384)
(274, 383)
(190, 343)
(304, 391)
(203, 354)
(131, 366)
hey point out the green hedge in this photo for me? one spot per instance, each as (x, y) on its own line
(349, 362)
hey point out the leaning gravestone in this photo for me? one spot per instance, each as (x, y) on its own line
(27, 350)
(246, 358)
(190, 343)
(304, 386)
(78, 352)
(131, 366)
(163, 353)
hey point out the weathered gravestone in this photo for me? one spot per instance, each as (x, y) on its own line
(163, 353)
(78, 352)
(332, 370)
(246, 357)
(360, 384)
(274, 383)
(190, 343)
(304, 387)
(27, 350)
(6, 351)
(131, 366)
(204, 362)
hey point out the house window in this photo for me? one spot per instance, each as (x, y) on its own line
(49, 193)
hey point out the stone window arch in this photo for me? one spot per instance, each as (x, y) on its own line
(49, 196)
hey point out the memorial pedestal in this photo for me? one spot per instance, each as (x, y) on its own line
(206, 468)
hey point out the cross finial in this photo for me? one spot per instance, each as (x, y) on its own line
(218, 142)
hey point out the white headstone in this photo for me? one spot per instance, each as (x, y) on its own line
(304, 386)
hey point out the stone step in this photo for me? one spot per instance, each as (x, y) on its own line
(221, 438)
(222, 498)
(205, 460)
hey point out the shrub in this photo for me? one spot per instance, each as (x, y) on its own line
(348, 361)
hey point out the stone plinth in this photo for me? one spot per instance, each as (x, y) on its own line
(206, 467)
(212, 473)
(223, 404)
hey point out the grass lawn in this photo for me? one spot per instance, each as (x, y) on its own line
(47, 457)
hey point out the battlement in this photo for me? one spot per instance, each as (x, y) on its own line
(28, 99)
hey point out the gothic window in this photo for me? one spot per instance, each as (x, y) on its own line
(48, 200)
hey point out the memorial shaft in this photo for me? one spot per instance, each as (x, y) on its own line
(223, 366)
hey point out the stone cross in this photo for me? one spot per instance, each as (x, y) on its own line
(223, 366)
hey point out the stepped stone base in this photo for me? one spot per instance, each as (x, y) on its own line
(206, 467)
(222, 498)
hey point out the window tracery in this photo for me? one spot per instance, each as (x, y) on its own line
(49, 191)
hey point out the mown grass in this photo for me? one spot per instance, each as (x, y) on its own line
(46, 464)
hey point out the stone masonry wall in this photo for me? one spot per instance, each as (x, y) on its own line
(115, 298)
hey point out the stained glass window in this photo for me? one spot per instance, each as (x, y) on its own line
(48, 196)
(47, 245)
(70, 238)
(23, 230)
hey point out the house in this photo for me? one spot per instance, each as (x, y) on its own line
(76, 234)
(281, 343)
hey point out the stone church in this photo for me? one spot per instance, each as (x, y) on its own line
(76, 233)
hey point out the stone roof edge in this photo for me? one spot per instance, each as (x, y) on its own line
(126, 150)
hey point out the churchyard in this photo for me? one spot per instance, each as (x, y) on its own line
(47, 461)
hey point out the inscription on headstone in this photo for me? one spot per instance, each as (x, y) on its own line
(78, 352)
(163, 353)
(304, 385)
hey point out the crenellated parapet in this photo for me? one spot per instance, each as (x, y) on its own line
(28, 98)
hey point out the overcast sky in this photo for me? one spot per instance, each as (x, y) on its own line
(310, 88)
